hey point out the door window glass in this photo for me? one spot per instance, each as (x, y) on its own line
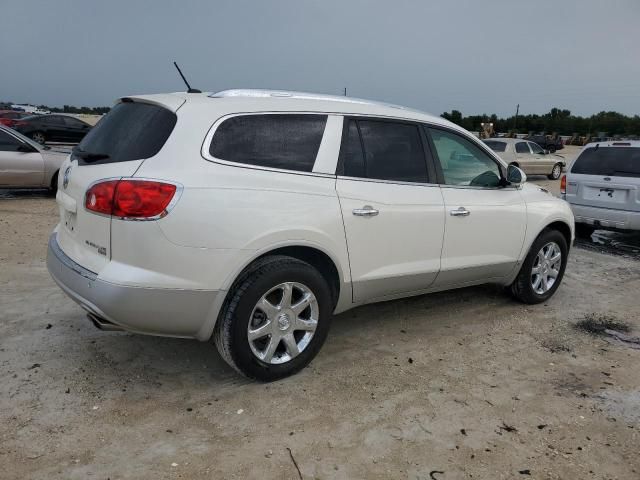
(351, 154)
(536, 149)
(393, 151)
(464, 163)
(522, 147)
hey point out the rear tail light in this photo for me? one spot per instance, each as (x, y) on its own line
(563, 185)
(135, 199)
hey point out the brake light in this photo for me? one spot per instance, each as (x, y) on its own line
(563, 185)
(140, 199)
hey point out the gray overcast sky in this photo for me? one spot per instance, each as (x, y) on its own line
(480, 56)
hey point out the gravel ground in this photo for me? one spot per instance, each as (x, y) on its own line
(468, 383)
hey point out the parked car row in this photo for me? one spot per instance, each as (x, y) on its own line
(248, 218)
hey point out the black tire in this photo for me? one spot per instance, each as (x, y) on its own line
(53, 188)
(552, 148)
(38, 137)
(555, 173)
(230, 334)
(584, 230)
(521, 288)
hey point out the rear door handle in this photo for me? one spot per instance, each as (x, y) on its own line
(460, 212)
(366, 211)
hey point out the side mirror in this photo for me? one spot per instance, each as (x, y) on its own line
(25, 148)
(515, 176)
(545, 152)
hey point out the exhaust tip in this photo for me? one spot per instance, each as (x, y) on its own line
(103, 324)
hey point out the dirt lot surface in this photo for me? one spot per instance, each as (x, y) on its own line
(468, 383)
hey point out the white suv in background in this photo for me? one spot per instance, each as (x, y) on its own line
(250, 217)
(603, 187)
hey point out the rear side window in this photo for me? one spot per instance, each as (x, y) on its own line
(609, 161)
(8, 143)
(496, 146)
(285, 141)
(522, 147)
(389, 151)
(130, 131)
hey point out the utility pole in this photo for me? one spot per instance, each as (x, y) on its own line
(345, 91)
(515, 120)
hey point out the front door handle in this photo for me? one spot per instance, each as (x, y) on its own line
(366, 211)
(460, 212)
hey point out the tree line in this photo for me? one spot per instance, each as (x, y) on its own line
(557, 120)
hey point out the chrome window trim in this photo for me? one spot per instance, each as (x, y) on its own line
(392, 182)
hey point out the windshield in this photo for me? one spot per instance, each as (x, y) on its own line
(609, 161)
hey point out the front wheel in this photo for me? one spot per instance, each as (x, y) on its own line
(542, 269)
(556, 171)
(276, 319)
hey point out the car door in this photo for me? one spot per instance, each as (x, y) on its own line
(485, 219)
(524, 158)
(75, 129)
(543, 162)
(17, 168)
(392, 211)
(56, 129)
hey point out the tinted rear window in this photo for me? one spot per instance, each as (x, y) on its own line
(609, 161)
(496, 146)
(287, 141)
(130, 131)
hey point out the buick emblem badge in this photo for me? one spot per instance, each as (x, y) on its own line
(65, 178)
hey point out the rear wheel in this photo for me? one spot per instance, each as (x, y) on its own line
(542, 269)
(556, 171)
(39, 137)
(276, 319)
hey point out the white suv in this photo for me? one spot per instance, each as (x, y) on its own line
(250, 217)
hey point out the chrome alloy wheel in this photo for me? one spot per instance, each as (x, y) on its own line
(556, 172)
(283, 322)
(546, 268)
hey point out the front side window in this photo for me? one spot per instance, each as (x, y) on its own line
(536, 149)
(54, 121)
(464, 163)
(522, 147)
(285, 141)
(390, 151)
(8, 143)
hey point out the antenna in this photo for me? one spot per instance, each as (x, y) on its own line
(189, 89)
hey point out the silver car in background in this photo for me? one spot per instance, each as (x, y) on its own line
(603, 187)
(27, 164)
(528, 156)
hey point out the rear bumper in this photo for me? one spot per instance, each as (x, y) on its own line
(154, 311)
(606, 217)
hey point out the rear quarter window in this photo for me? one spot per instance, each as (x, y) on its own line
(284, 141)
(496, 146)
(609, 161)
(130, 131)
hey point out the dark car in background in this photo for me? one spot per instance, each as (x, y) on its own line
(53, 128)
(548, 143)
(9, 117)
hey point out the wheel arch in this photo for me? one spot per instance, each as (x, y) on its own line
(562, 227)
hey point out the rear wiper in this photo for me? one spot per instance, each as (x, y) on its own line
(89, 156)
